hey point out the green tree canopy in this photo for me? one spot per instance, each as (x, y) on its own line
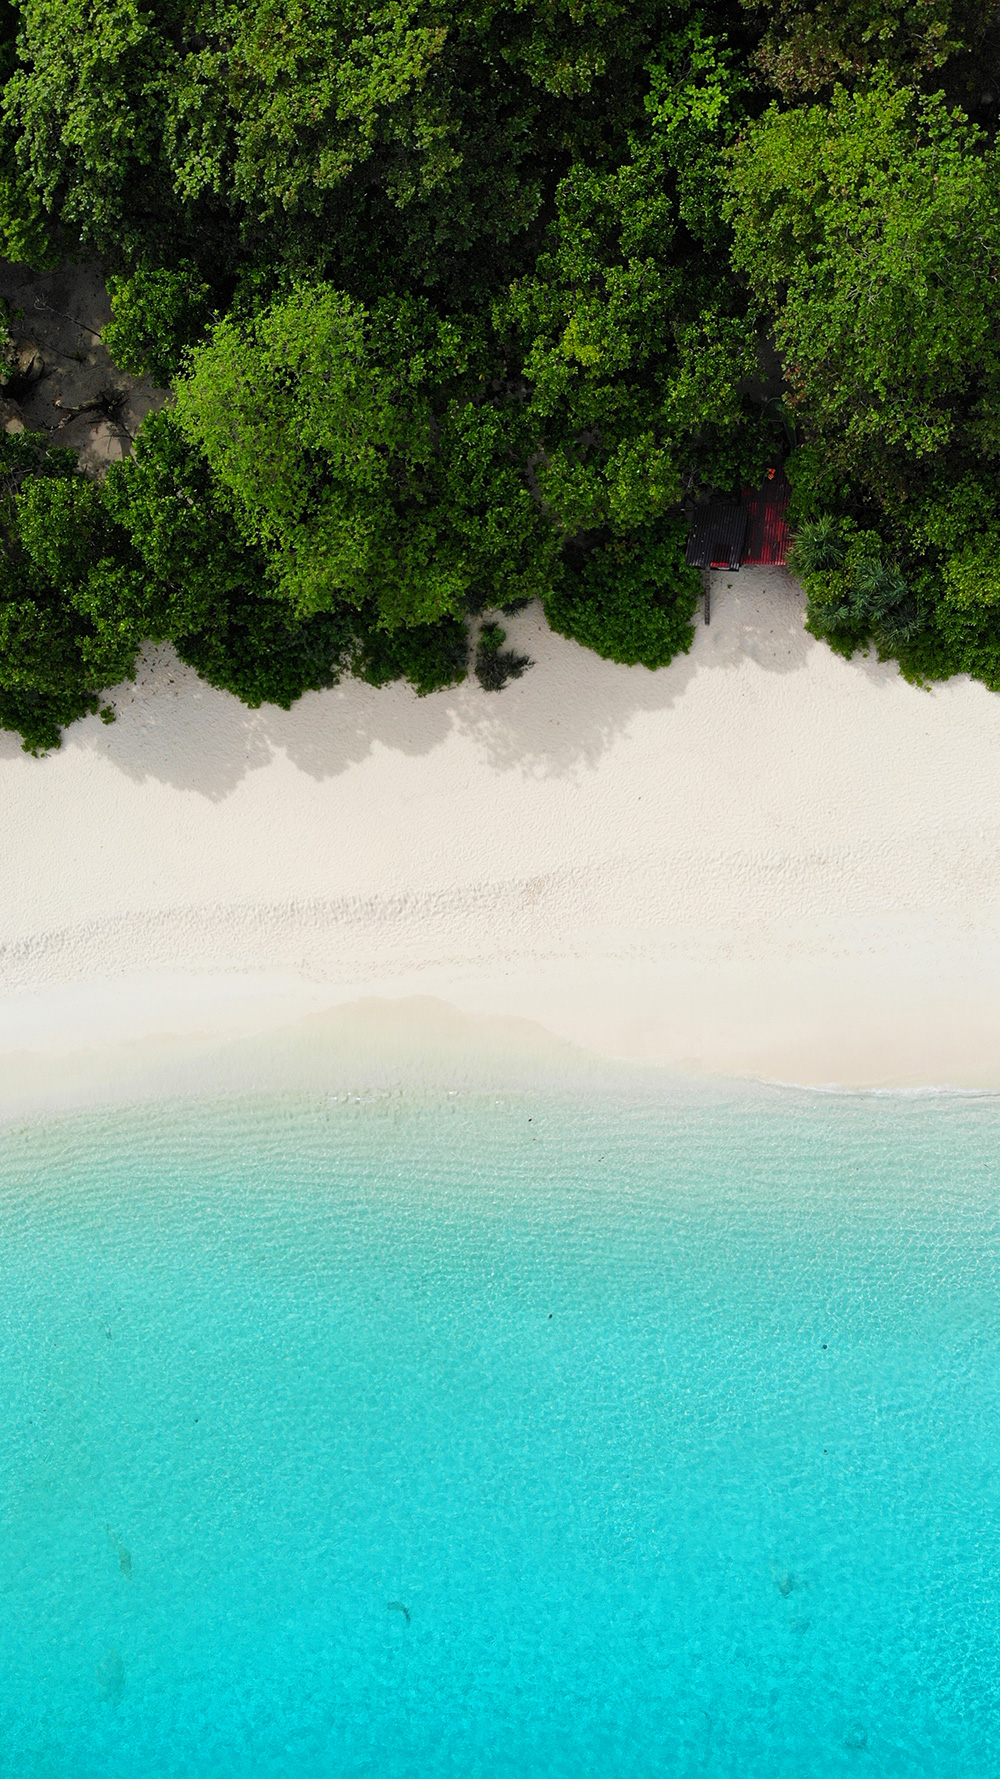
(464, 303)
(379, 141)
(367, 456)
(809, 48)
(870, 231)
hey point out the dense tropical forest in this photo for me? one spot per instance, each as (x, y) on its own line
(463, 303)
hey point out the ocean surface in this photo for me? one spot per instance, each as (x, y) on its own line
(487, 1436)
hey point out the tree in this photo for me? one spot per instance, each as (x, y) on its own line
(633, 343)
(24, 234)
(809, 48)
(406, 140)
(70, 605)
(210, 590)
(91, 571)
(367, 457)
(463, 300)
(157, 312)
(870, 231)
(630, 602)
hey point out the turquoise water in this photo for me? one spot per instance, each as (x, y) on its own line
(502, 1436)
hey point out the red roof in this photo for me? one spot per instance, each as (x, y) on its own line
(767, 536)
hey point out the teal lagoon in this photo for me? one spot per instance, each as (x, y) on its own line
(487, 1436)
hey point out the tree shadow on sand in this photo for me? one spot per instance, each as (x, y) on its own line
(758, 614)
(557, 721)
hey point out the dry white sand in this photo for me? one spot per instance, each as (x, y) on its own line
(762, 860)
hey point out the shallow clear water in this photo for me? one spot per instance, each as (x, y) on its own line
(502, 1436)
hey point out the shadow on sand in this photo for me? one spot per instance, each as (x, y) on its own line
(559, 719)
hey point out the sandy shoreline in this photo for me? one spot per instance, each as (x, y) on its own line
(762, 860)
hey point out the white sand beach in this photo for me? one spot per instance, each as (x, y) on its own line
(763, 860)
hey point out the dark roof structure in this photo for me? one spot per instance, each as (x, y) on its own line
(716, 536)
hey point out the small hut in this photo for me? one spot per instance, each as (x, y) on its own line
(752, 530)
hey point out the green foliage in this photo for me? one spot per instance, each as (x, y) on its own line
(24, 232)
(818, 546)
(209, 587)
(156, 313)
(91, 571)
(462, 300)
(495, 665)
(474, 336)
(960, 639)
(88, 104)
(429, 656)
(206, 582)
(66, 594)
(630, 602)
(808, 48)
(25, 235)
(855, 596)
(632, 341)
(405, 139)
(255, 649)
(359, 448)
(175, 517)
(871, 230)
